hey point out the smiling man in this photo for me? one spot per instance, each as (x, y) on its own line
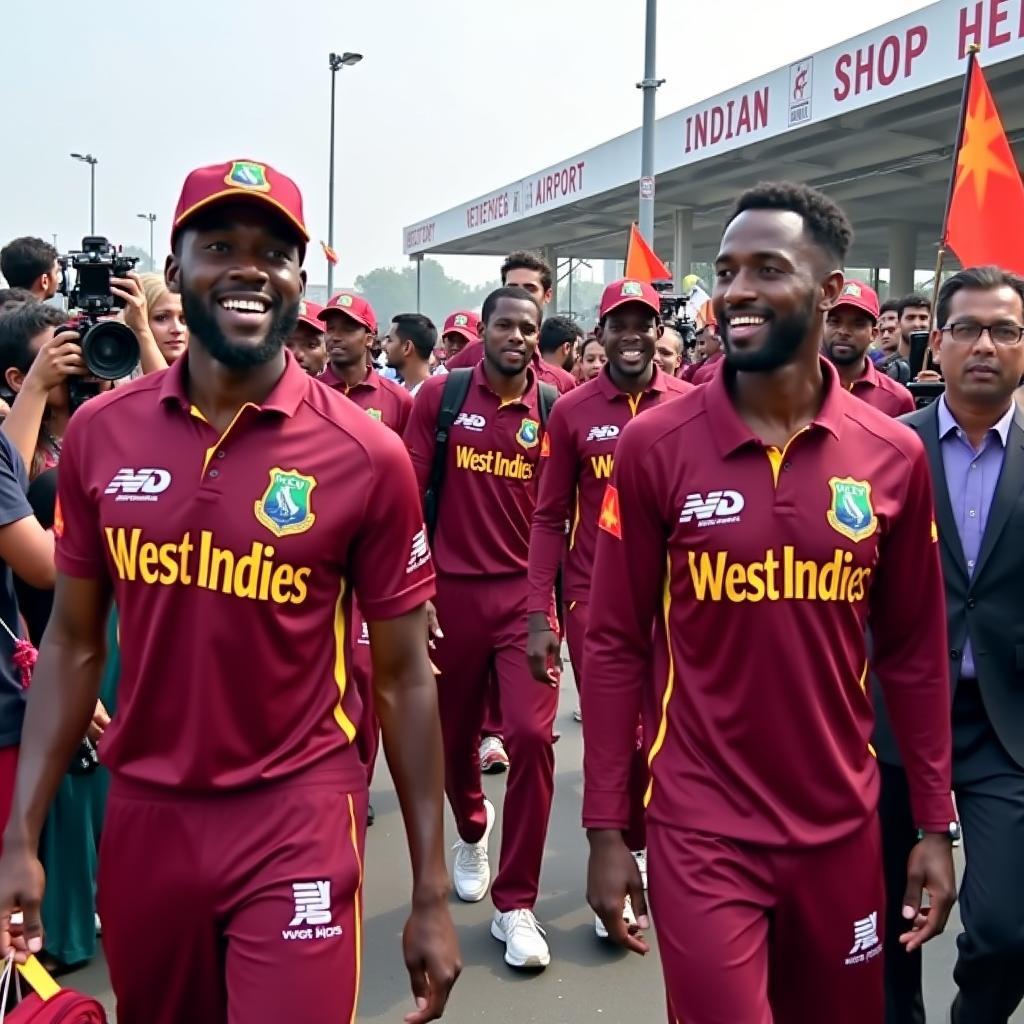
(577, 462)
(755, 529)
(851, 326)
(482, 544)
(231, 879)
(351, 328)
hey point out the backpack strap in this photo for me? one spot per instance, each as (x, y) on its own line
(546, 397)
(456, 387)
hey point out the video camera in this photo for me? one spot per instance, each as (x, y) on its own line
(677, 312)
(109, 347)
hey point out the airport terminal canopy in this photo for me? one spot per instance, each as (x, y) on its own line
(871, 121)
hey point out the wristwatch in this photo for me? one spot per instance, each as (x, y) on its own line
(952, 830)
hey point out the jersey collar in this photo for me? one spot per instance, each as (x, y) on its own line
(611, 391)
(732, 433)
(480, 379)
(286, 396)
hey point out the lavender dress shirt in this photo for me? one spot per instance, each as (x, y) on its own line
(971, 478)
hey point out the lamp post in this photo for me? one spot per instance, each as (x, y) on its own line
(649, 85)
(89, 159)
(336, 62)
(151, 217)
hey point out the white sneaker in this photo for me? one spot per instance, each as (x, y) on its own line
(640, 856)
(493, 757)
(627, 915)
(525, 945)
(577, 715)
(471, 871)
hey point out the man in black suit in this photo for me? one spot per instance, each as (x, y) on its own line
(974, 436)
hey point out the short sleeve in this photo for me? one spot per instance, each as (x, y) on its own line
(14, 504)
(392, 571)
(76, 525)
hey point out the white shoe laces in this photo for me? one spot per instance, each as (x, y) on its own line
(522, 921)
(470, 856)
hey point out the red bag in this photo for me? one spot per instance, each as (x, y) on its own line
(60, 1006)
(66, 1007)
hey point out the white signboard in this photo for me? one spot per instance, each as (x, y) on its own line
(914, 52)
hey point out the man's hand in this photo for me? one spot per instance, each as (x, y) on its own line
(99, 723)
(59, 357)
(433, 626)
(432, 958)
(543, 650)
(21, 886)
(928, 377)
(929, 869)
(612, 875)
(129, 291)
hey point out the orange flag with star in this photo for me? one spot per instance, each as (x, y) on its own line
(986, 216)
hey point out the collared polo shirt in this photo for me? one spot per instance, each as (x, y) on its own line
(881, 391)
(576, 465)
(234, 559)
(381, 399)
(560, 379)
(490, 490)
(760, 570)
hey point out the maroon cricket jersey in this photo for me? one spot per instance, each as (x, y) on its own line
(233, 560)
(761, 570)
(473, 354)
(577, 456)
(882, 392)
(489, 492)
(381, 399)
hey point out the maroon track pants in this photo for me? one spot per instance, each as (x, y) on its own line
(768, 935)
(484, 626)
(577, 615)
(240, 909)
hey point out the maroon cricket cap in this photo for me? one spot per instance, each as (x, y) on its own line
(618, 293)
(309, 313)
(240, 180)
(463, 322)
(860, 296)
(354, 306)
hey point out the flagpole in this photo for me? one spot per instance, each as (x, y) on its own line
(972, 54)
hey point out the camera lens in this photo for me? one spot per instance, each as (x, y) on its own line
(110, 349)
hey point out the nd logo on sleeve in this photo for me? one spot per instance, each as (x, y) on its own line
(850, 512)
(286, 506)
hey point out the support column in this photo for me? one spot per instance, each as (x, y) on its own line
(682, 245)
(902, 256)
(551, 259)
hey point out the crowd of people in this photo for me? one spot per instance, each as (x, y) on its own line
(790, 598)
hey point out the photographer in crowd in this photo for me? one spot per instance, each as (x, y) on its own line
(31, 263)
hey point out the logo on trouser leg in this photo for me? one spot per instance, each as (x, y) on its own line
(312, 918)
(866, 944)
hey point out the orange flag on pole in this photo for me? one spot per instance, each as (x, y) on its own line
(641, 262)
(985, 219)
(329, 253)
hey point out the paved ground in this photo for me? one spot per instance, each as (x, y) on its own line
(586, 981)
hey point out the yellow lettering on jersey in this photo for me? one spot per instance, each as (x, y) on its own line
(602, 465)
(716, 578)
(493, 463)
(254, 574)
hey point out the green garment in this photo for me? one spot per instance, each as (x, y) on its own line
(70, 842)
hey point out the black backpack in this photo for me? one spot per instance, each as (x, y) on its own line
(456, 387)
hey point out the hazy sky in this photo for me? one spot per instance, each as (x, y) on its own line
(453, 98)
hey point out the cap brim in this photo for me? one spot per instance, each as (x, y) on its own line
(317, 325)
(463, 332)
(340, 311)
(850, 304)
(626, 300)
(237, 195)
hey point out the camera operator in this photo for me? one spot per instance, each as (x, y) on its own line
(36, 365)
(31, 263)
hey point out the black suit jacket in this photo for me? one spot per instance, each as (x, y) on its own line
(988, 608)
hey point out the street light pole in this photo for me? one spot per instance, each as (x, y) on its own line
(649, 85)
(336, 63)
(89, 159)
(151, 217)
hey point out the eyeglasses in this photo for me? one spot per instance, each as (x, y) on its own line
(967, 332)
